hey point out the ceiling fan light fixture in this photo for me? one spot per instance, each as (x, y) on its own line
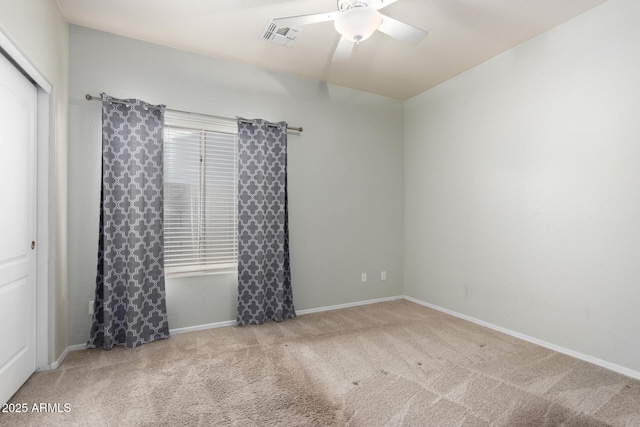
(358, 23)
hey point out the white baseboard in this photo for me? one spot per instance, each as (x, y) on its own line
(62, 356)
(77, 347)
(347, 305)
(578, 355)
(56, 363)
(298, 312)
(202, 327)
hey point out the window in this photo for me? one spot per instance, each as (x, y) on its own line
(200, 201)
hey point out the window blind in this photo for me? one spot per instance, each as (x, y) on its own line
(200, 196)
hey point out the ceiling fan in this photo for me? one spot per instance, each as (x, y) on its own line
(356, 21)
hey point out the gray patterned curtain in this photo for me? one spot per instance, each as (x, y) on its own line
(264, 277)
(130, 303)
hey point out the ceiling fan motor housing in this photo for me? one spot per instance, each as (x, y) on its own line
(358, 23)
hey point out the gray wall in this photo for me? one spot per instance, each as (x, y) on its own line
(522, 188)
(345, 172)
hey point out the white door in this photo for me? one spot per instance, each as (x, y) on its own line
(18, 99)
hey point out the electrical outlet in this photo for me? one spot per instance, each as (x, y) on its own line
(90, 307)
(383, 275)
(364, 277)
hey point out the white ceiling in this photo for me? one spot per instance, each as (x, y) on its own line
(462, 34)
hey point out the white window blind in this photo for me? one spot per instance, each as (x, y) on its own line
(200, 201)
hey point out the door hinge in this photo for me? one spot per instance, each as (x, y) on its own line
(33, 244)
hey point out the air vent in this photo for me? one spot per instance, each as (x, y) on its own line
(283, 36)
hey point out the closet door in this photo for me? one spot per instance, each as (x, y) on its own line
(18, 98)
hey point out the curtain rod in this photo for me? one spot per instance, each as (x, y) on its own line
(89, 97)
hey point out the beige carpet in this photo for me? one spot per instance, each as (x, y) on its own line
(388, 364)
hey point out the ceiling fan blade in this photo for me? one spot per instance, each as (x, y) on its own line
(294, 21)
(379, 4)
(343, 51)
(401, 31)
